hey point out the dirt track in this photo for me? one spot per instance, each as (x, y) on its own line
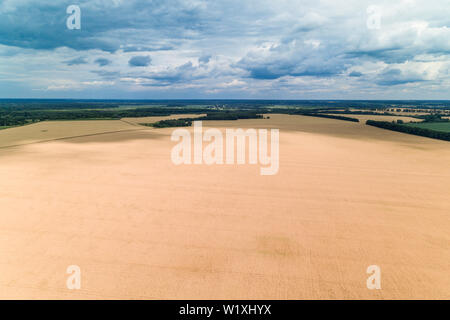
(347, 196)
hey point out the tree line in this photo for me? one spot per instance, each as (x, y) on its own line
(210, 116)
(410, 130)
(22, 117)
(329, 116)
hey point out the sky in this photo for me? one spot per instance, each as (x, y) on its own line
(225, 49)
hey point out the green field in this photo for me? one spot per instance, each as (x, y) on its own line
(438, 126)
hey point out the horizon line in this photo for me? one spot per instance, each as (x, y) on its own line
(220, 99)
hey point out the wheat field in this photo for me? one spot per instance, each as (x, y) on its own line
(346, 196)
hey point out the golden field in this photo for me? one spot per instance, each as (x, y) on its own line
(54, 130)
(60, 130)
(346, 196)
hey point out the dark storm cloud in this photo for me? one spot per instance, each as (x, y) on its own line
(76, 61)
(293, 60)
(396, 77)
(140, 61)
(183, 73)
(102, 62)
(147, 48)
(355, 74)
(205, 58)
(42, 24)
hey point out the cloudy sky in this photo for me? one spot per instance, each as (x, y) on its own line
(280, 49)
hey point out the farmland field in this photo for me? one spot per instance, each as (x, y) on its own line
(51, 130)
(55, 130)
(237, 151)
(438, 126)
(347, 196)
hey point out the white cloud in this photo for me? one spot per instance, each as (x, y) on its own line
(265, 48)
